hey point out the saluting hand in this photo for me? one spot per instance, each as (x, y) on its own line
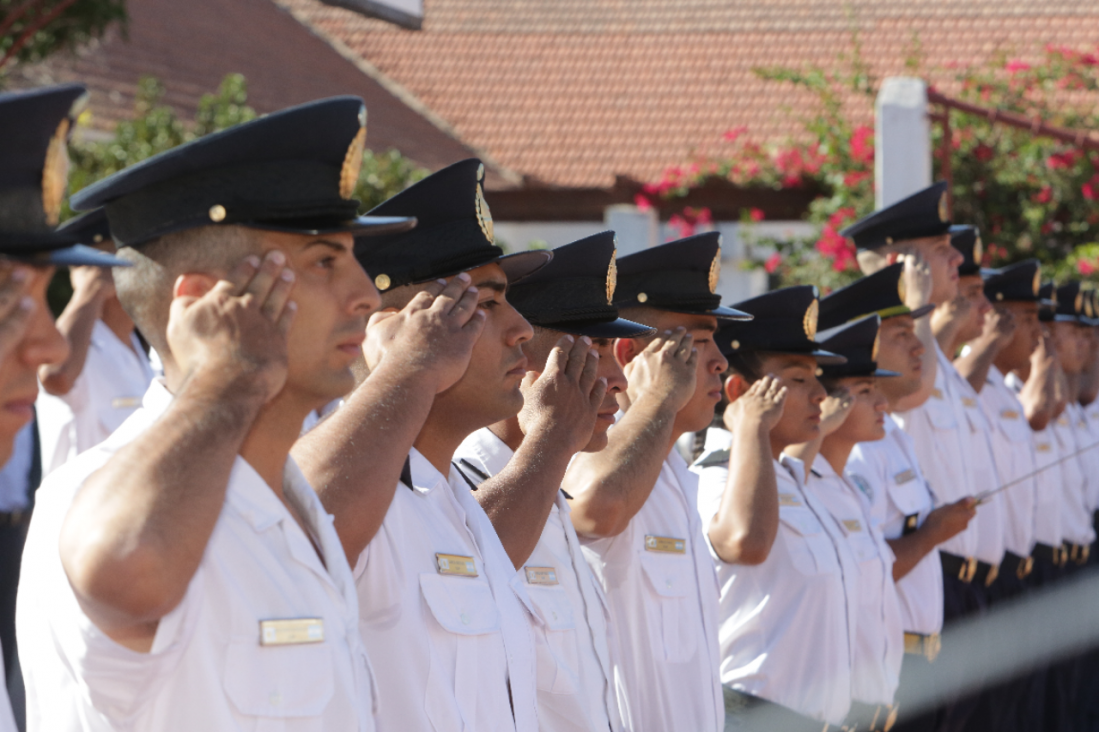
(917, 280)
(666, 370)
(834, 410)
(565, 398)
(432, 336)
(16, 306)
(236, 333)
(999, 327)
(758, 408)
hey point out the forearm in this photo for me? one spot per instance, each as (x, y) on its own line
(354, 458)
(1038, 399)
(137, 529)
(76, 324)
(746, 523)
(518, 500)
(974, 365)
(910, 551)
(609, 487)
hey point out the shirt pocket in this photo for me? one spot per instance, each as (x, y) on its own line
(940, 413)
(670, 582)
(557, 651)
(280, 682)
(807, 545)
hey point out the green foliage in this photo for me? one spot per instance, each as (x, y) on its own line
(384, 175)
(31, 30)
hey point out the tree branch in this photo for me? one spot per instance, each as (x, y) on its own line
(15, 15)
(33, 27)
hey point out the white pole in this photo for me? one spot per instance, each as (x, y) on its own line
(902, 150)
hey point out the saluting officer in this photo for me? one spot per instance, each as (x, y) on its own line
(183, 574)
(793, 588)
(34, 133)
(569, 303)
(635, 501)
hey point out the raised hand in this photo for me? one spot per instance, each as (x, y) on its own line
(432, 336)
(236, 333)
(665, 370)
(758, 408)
(92, 281)
(834, 410)
(565, 398)
(950, 520)
(16, 306)
(999, 327)
(917, 280)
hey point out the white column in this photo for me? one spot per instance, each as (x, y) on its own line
(636, 229)
(902, 149)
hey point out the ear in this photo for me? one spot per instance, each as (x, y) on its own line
(193, 284)
(736, 386)
(626, 349)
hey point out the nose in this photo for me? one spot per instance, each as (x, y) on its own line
(519, 330)
(610, 370)
(364, 298)
(42, 343)
(720, 364)
(817, 394)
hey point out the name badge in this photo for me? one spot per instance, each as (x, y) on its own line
(1043, 447)
(852, 524)
(291, 632)
(126, 402)
(1063, 421)
(456, 564)
(665, 544)
(788, 499)
(969, 401)
(937, 393)
(1009, 414)
(541, 575)
(905, 476)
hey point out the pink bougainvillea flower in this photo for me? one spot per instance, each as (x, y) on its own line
(772, 263)
(983, 153)
(862, 144)
(1059, 161)
(733, 134)
(1045, 195)
(853, 179)
(756, 214)
(1016, 65)
(1085, 267)
(642, 202)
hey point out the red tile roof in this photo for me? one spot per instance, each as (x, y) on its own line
(574, 92)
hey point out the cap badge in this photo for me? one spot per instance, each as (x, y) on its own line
(877, 345)
(810, 321)
(484, 216)
(978, 251)
(944, 210)
(612, 277)
(902, 289)
(382, 282)
(715, 272)
(353, 162)
(55, 173)
(1037, 281)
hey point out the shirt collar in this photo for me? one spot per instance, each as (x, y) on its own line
(489, 449)
(425, 478)
(823, 467)
(254, 500)
(717, 438)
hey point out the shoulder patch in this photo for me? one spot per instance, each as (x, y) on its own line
(862, 484)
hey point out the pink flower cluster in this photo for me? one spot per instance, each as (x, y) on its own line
(686, 222)
(834, 246)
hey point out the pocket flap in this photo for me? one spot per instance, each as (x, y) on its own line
(800, 520)
(909, 497)
(462, 605)
(940, 412)
(553, 607)
(267, 681)
(669, 574)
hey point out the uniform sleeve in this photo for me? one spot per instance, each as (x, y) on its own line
(711, 487)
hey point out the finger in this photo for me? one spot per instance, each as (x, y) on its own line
(261, 283)
(590, 373)
(578, 358)
(466, 306)
(239, 276)
(286, 317)
(692, 360)
(423, 299)
(453, 292)
(598, 392)
(279, 295)
(379, 317)
(673, 339)
(780, 395)
(433, 289)
(528, 380)
(558, 356)
(685, 347)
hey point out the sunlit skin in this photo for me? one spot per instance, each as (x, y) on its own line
(1069, 346)
(800, 421)
(943, 260)
(971, 287)
(40, 344)
(699, 410)
(1015, 355)
(538, 349)
(865, 420)
(899, 349)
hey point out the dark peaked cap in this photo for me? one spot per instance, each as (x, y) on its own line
(967, 240)
(881, 293)
(1047, 303)
(454, 233)
(1070, 303)
(34, 133)
(921, 214)
(680, 276)
(573, 293)
(858, 343)
(1015, 282)
(293, 170)
(89, 228)
(783, 321)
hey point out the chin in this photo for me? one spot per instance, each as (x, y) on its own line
(597, 442)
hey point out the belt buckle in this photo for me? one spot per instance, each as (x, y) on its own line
(1075, 551)
(968, 570)
(1060, 555)
(1025, 567)
(932, 644)
(993, 573)
(891, 720)
(1085, 550)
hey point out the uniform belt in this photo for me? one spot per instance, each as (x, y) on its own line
(1077, 553)
(962, 568)
(1055, 555)
(870, 717)
(986, 574)
(15, 518)
(927, 646)
(1015, 565)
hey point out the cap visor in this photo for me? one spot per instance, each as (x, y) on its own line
(724, 313)
(620, 328)
(1061, 318)
(884, 373)
(523, 264)
(82, 256)
(827, 358)
(359, 226)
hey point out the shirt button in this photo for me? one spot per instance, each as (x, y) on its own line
(465, 619)
(276, 698)
(668, 583)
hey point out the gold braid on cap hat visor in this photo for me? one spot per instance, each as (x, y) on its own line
(810, 321)
(612, 277)
(978, 252)
(55, 173)
(1037, 284)
(715, 272)
(944, 210)
(352, 164)
(877, 345)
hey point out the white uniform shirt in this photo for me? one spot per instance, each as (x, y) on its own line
(207, 669)
(662, 596)
(888, 469)
(1048, 492)
(107, 391)
(1089, 456)
(1076, 519)
(879, 635)
(575, 679)
(1013, 450)
(440, 614)
(15, 476)
(1091, 416)
(940, 432)
(788, 624)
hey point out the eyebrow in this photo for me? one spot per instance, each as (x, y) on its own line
(327, 243)
(494, 285)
